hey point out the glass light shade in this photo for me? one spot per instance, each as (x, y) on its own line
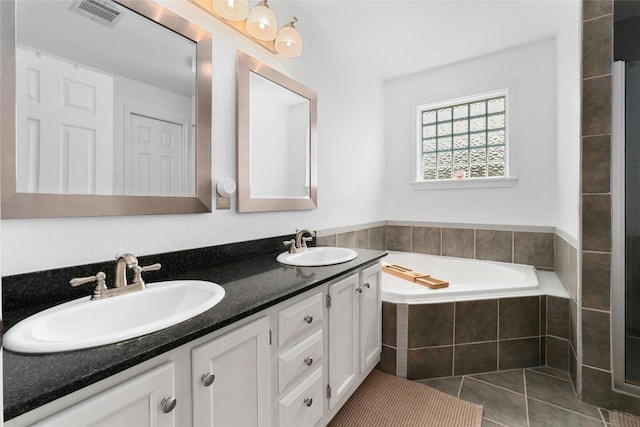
(261, 23)
(288, 43)
(232, 10)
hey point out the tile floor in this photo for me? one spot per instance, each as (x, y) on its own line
(524, 397)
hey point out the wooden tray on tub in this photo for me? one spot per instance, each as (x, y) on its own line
(413, 276)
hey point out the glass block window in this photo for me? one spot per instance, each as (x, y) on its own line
(464, 140)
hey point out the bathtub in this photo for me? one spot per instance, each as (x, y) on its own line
(491, 317)
(468, 279)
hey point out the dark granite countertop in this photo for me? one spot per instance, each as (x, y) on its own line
(251, 286)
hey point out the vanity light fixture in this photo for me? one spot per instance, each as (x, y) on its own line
(289, 41)
(232, 10)
(261, 22)
(258, 24)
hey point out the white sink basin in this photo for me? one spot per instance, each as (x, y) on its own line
(84, 323)
(313, 257)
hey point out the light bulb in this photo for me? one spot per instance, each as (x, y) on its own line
(261, 22)
(289, 42)
(232, 10)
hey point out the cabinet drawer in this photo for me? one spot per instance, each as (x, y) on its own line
(304, 405)
(300, 359)
(299, 318)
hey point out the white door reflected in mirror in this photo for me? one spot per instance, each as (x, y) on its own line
(94, 115)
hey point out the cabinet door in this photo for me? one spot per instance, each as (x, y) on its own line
(343, 337)
(238, 363)
(370, 315)
(136, 402)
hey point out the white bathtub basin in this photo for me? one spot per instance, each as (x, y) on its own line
(318, 256)
(468, 279)
(85, 323)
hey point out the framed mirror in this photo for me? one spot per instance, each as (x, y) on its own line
(277, 127)
(106, 109)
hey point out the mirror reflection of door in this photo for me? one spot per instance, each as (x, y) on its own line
(74, 95)
(155, 164)
(66, 116)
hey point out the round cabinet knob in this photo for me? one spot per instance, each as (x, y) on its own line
(359, 289)
(208, 379)
(308, 401)
(308, 318)
(308, 361)
(168, 404)
(367, 285)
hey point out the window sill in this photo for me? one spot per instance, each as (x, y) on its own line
(468, 183)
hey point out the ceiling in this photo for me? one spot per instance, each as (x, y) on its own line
(135, 47)
(400, 37)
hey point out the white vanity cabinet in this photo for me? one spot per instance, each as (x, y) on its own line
(354, 332)
(370, 318)
(293, 364)
(230, 378)
(299, 354)
(145, 400)
(343, 338)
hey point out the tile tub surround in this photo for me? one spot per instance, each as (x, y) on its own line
(252, 284)
(499, 243)
(470, 337)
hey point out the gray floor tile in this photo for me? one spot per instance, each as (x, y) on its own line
(449, 385)
(544, 415)
(558, 392)
(489, 423)
(512, 380)
(605, 414)
(503, 406)
(563, 375)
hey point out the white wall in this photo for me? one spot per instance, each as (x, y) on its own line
(529, 72)
(350, 161)
(569, 71)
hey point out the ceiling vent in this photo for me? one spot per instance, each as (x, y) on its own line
(102, 12)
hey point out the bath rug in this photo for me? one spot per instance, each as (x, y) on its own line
(619, 419)
(386, 400)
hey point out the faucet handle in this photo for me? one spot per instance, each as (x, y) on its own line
(98, 278)
(152, 267)
(305, 240)
(137, 273)
(291, 244)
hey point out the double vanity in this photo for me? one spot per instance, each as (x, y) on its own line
(286, 345)
(226, 335)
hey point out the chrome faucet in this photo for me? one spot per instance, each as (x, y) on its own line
(120, 287)
(299, 243)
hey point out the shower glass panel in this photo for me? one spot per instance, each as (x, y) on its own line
(625, 197)
(632, 222)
